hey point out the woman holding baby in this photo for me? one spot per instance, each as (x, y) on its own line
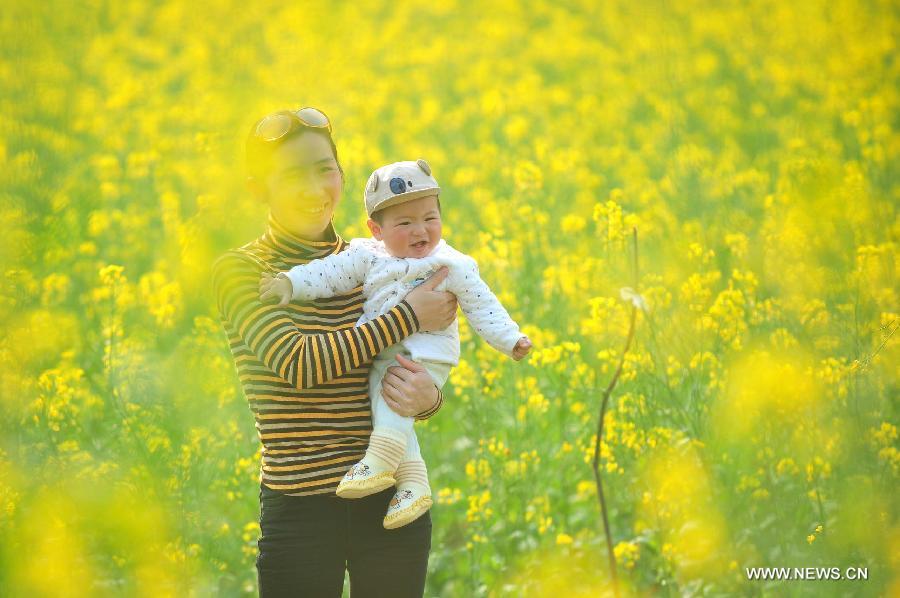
(304, 369)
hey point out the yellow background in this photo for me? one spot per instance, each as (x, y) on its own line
(754, 146)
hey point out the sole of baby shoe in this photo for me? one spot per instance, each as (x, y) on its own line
(405, 516)
(366, 487)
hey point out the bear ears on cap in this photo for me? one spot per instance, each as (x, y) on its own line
(372, 184)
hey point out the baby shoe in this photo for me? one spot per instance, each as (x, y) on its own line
(375, 471)
(365, 478)
(408, 504)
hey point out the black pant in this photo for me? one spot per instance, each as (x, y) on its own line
(307, 541)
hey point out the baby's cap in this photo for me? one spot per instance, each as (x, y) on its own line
(398, 183)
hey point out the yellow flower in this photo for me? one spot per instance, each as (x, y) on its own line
(586, 489)
(627, 553)
(478, 470)
(478, 507)
(573, 223)
(527, 176)
(111, 275)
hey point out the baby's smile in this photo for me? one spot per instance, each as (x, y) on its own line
(420, 248)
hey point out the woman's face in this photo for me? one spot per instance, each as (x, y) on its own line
(304, 185)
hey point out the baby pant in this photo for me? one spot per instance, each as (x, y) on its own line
(385, 417)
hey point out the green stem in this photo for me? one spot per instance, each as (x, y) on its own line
(600, 421)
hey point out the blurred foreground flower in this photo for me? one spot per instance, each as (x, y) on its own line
(630, 295)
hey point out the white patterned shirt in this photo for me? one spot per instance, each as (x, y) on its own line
(387, 279)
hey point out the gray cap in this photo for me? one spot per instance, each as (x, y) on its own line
(398, 183)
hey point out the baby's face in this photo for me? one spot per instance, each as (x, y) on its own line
(410, 229)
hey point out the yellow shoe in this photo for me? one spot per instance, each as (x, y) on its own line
(407, 505)
(365, 478)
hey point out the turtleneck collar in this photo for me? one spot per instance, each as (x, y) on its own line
(291, 245)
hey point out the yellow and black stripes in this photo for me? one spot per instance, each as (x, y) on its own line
(304, 351)
(303, 367)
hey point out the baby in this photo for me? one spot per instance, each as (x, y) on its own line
(406, 248)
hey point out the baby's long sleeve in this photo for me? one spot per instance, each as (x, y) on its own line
(335, 274)
(482, 308)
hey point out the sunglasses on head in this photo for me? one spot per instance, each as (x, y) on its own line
(278, 124)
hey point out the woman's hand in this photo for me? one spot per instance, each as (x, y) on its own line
(408, 388)
(435, 310)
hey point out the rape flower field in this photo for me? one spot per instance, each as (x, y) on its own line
(754, 147)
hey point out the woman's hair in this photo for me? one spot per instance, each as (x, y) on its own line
(259, 152)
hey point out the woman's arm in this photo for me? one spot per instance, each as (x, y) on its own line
(302, 360)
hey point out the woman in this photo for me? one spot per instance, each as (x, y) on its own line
(304, 370)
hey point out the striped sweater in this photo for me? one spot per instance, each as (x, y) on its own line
(303, 367)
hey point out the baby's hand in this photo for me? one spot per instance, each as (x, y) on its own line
(522, 348)
(278, 287)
